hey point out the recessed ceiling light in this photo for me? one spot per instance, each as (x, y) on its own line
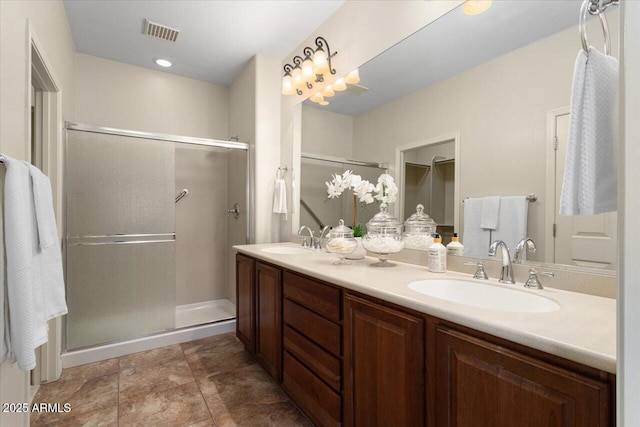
(163, 62)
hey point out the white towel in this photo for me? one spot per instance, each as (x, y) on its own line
(280, 197)
(47, 257)
(293, 192)
(5, 339)
(476, 240)
(512, 221)
(490, 211)
(19, 233)
(590, 175)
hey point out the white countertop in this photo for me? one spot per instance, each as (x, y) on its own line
(582, 330)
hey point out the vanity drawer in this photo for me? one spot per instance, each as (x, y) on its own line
(315, 398)
(316, 296)
(323, 364)
(318, 329)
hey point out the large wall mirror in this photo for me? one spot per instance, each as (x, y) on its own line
(467, 107)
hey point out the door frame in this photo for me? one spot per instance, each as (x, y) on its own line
(550, 209)
(39, 69)
(399, 173)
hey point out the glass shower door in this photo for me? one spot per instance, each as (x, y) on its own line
(120, 242)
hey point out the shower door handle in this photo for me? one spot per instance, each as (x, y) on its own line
(235, 210)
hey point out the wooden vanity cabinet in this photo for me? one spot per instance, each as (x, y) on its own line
(478, 383)
(347, 358)
(269, 319)
(384, 365)
(246, 301)
(312, 374)
(259, 312)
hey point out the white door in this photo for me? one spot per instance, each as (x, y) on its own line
(587, 241)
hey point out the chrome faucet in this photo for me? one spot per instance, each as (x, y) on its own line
(506, 274)
(317, 242)
(306, 243)
(521, 249)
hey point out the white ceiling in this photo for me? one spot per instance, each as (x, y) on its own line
(216, 40)
(453, 44)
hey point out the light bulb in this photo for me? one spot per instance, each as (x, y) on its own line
(323, 103)
(298, 81)
(320, 63)
(339, 85)
(317, 97)
(287, 85)
(328, 91)
(307, 70)
(353, 77)
(474, 7)
(163, 62)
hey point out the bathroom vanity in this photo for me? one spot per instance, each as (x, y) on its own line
(353, 345)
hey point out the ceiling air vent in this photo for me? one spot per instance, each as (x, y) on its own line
(160, 31)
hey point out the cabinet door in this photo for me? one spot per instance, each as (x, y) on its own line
(245, 301)
(482, 384)
(269, 319)
(383, 365)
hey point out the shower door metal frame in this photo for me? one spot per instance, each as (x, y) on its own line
(67, 240)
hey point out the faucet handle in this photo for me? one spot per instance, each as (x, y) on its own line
(533, 282)
(480, 273)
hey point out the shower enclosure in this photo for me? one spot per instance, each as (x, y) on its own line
(150, 220)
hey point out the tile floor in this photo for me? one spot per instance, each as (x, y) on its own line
(208, 382)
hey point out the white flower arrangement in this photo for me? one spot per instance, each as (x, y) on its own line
(385, 191)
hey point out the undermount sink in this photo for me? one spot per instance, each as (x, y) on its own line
(484, 295)
(286, 250)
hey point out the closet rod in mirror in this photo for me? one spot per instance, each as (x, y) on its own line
(352, 162)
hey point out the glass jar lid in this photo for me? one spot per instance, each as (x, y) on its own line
(420, 222)
(341, 231)
(384, 222)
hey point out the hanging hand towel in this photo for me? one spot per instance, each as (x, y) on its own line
(476, 239)
(48, 276)
(512, 221)
(590, 175)
(19, 234)
(490, 211)
(293, 191)
(280, 196)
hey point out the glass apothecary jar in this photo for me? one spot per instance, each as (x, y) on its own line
(341, 242)
(418, 230)
(384, 236)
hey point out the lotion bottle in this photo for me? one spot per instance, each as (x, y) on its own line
(437, 256)
(455, 247)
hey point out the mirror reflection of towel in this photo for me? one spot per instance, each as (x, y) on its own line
(280, 197)
(512, 221)
(476, 240)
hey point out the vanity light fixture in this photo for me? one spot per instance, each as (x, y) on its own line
(474, 7)
(163, 62)
(308, 70)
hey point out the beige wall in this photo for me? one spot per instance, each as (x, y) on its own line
(47, 23)
(500, 110)
(113, 94)
(358, 31)
(328, 133)
(254, 115)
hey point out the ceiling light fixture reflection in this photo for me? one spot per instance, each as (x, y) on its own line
(474, 7)
(163, 62)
